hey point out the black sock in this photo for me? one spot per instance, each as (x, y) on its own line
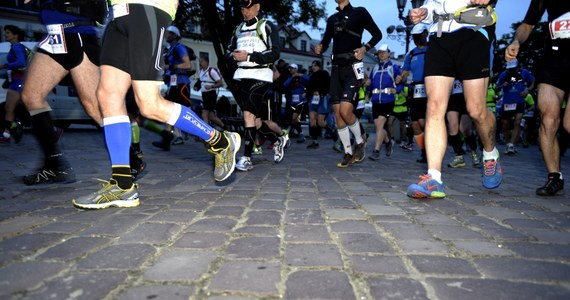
(471, 141)
(249, 141)
(268, 133)
(123, 177)
(42, 124)
(456, 143)
(218, 141)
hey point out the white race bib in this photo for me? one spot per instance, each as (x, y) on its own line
(316, 99)
(560, 28)
(120, 10)
(457, 88)
(173, 80)
(508, 107)
(358, 69)
(55, 41)
(420, 91)
(295, 99)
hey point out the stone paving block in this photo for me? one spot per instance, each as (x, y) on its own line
(482, 248)
(382, 210)
(523, 269)
(407, 231)
(477, 289)
(429, 247)
(318, 285)
(157, 292)
(499, 213)
(306, 233)
(74, 248)
(213, 225)
(151, 233)
(506, 234)
(313, 255)
(454, 232)
(302, 204)
(229, 211)
(304, 216)
(254, 248)
(115, 225)
(353, 226)
(303, 195)
(343, 214)
(264, 217)
(258, 279)
(28, 244)
(263, 204)
(180, 265)
(441, 265)
(339, 203)
(121, 257)
(541, 251)
(92, 285)
(391, 219)
(272, 197)
(398, 288)
(61, 227)
(201, 240)
(365, 243)
(21, 276)
(526, 223)
(434, 219)
(233, 201)
(20, 224)
(549, 235)
(378, 265)
(258, 231)
(173, 216)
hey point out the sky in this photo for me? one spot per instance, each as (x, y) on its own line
(385, 13)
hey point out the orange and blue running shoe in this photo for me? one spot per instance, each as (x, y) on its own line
(427, 188)
(492, 173)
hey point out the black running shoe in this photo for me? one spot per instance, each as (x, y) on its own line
(553, 186)
(18, 132)
(347, 159)
(50, 176)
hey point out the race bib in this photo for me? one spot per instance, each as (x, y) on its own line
(508, 107)
(358, 69)
(120, 10)
(173, 80)
(316, 99)
(295, 99)
(560, 28)
(420, 91)
(457, 88)
(55, 40)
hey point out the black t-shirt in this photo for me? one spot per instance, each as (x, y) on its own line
(345, 41)
(319, 81)
(536, 9)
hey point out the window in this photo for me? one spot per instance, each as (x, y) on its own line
(204, 54)
(282, 42)
(304, 46)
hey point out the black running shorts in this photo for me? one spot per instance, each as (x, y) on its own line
(133, 43)
(457, 103)
(555, 64)
(252, 97)
(463, 54)
(344, 85)
(77, 44)
(209, 100)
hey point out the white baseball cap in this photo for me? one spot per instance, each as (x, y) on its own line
(293, 66)
(384, 47)
(174, 30)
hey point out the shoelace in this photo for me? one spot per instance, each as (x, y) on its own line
(424, 178)
(218, 159)
(490, 167)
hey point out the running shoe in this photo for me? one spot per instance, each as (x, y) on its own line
(257, 150)
(338, 147)
(286, 138)
(167, 138)
(475, 158)
(279, 149)
(137, 169)
(17, 131)
(553, 186)
(5, 140)
(359, 152)
(390, 147)
(313, 145)
(492, 173)
(427, 188)
(50, 176)
(109, 195)
(177, 141)
(510, 149)
(347, 159)
(375, 155)
(244, 164)
(457, 162)
(225, 159)
(407, 147)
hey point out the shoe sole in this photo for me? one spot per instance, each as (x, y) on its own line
(116, 203)
(420, 195)
(237, 143)
(456, 166)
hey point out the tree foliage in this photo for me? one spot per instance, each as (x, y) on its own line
(219, 18)
(530, 52)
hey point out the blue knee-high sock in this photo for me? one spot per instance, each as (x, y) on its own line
(118, 137)
(186, 120)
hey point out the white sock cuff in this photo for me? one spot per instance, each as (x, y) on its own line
(116, 120)
(174, 114)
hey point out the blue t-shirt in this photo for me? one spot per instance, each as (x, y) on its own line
(414, 62)
(382, 76)
(518, 80)
(174, 57)
(16, 57)
(297, 86)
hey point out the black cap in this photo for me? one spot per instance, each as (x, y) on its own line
(248, 3)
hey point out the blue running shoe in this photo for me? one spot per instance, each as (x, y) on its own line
(427, 188)
(492, 173)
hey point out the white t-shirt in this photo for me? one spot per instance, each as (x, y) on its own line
(208, 77)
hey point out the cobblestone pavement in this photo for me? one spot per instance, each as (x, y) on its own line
(302, 229)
